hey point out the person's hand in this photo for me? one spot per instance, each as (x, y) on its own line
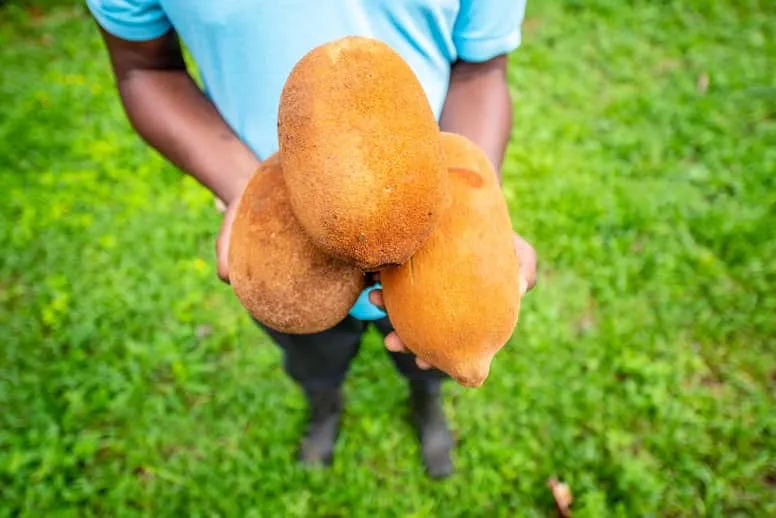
(527, 258)
(227, 205)
(222, 241)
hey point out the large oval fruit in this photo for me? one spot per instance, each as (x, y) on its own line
(277, 273)
(455, 303)
(361, 152)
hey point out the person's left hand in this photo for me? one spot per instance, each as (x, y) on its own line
(527, 259)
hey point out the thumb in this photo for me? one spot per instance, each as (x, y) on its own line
(527, 263)
(222, 242)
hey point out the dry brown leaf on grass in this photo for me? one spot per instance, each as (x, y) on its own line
(562, 495)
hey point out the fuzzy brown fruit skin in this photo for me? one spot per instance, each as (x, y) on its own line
(361, 152)
(456, 302)
(277, 273)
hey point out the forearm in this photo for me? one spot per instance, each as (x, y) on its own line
(479, 106)
(170, 112)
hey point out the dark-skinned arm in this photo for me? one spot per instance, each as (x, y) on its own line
(170, 112)
(478, 106)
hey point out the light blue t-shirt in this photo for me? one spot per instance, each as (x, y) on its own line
(245, 49)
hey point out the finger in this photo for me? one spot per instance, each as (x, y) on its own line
(223, 265)
(376, 298)
(423, 364)
(394, 344)
(222, 244)
(523, 286)
(527, 260)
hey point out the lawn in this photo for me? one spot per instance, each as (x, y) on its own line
(643, 371)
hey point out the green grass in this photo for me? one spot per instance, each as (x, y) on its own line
(643, 373)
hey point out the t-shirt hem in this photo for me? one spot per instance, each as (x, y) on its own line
(477, 50)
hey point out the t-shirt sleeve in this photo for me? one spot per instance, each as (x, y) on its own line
(134, 20)
(485, 29)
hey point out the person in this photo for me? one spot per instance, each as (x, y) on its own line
(244, 51)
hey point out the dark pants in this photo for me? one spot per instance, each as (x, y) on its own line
(321, 360)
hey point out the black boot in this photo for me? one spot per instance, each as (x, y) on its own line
(436, 441)
(322, 426)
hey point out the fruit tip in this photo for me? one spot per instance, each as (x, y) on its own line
(475, 376)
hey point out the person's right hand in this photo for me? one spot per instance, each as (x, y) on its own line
(222, 241)
(228, 206)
